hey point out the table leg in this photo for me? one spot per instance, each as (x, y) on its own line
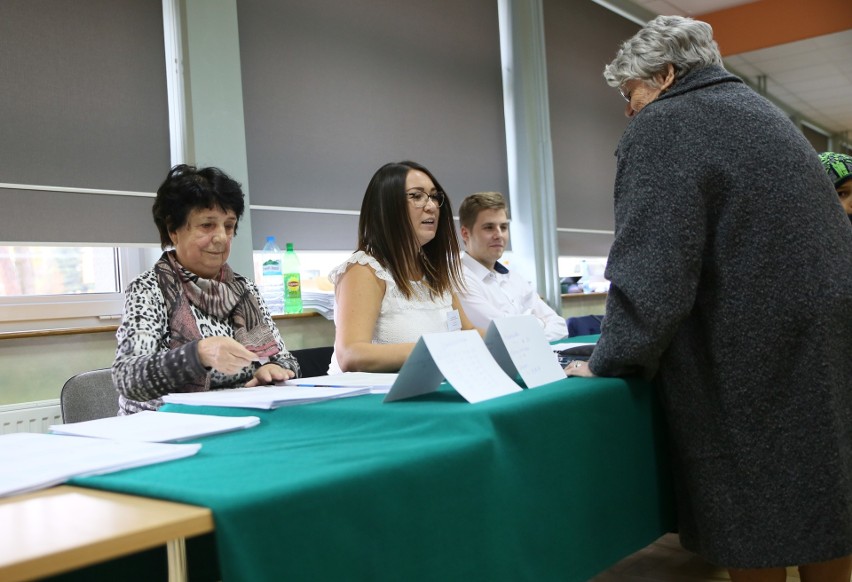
(176, 553)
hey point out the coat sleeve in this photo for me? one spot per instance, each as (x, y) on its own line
(655, 261)
(143, 370)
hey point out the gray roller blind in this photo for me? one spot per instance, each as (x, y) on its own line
(586, 118)
(333, 89)
(83, 105)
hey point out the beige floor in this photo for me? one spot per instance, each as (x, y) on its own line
(666, 561)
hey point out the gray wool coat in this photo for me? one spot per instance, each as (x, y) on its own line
(731, 287)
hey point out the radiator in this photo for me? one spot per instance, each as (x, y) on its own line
(29, 416)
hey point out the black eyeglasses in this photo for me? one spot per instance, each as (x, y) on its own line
(420, 199)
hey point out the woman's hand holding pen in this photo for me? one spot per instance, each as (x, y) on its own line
(224, 354)
(270, 374)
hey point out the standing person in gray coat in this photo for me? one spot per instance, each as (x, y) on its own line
(731, 287)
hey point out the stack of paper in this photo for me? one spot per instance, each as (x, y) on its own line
(265, 397)
(30, 461)
(155, 427)
(378, 383)
(320, 301)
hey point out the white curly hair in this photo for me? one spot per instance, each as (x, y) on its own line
(684, 43)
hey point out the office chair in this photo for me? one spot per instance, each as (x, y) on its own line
(314, 361)
(89, 395)
(584, 325)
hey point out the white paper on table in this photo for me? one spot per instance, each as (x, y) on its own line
(31, 461)
(461, 358)
(374, 381)
(518, 344)
(565, 345)
(155, 427)
(263, 397)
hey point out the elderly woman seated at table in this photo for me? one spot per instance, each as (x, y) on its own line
(190, 323)
(401, 281)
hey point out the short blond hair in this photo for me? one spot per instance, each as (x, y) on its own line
(476, 203)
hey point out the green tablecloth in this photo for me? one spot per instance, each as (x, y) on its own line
(554, 483)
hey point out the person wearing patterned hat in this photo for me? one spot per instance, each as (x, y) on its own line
(839, 168)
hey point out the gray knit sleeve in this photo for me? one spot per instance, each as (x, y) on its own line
(656, 258)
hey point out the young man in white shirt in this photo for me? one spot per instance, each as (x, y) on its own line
(492, 290)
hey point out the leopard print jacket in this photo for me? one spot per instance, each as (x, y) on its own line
(146, 368)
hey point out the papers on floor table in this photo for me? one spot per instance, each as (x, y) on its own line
(265, 397)
(378, 383)
(30, 461)
(155, 427)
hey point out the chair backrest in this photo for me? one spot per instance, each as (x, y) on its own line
(314, 361)
(89, 395)
(584, 325)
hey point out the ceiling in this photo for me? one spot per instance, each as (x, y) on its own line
(803, 51)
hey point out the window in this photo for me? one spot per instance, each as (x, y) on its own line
(86, 137)
(46, 287)
(45, 270)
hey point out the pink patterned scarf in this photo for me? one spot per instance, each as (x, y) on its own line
(225, 297)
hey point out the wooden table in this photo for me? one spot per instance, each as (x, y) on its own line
(64, 528)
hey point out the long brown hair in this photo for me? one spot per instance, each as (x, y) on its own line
(386, 233)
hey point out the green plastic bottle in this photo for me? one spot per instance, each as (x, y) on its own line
(290, 266)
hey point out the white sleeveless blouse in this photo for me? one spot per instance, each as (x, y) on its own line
(401, 319)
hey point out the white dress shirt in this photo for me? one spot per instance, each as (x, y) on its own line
(499, 292)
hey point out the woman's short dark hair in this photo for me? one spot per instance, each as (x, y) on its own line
(187, 188)
(386, 233)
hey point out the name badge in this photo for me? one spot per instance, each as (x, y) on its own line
(453, 320)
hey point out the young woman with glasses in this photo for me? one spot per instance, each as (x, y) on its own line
(402, 280)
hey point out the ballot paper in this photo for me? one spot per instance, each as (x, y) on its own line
(461, 358)
(518, 344)
(378, 383)
(564, 345)
(31, 461)
(263, 397)
(155, 427)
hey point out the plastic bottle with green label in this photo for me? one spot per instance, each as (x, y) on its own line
(290, 266)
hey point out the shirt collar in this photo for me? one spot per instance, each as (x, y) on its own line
(479, 270)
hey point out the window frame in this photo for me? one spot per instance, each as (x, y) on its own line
(42, 312)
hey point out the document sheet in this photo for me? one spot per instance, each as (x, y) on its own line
(378, 383)
(31, 461)
(459, 356)
(263, 397)
(155, 427)
(520, 347)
